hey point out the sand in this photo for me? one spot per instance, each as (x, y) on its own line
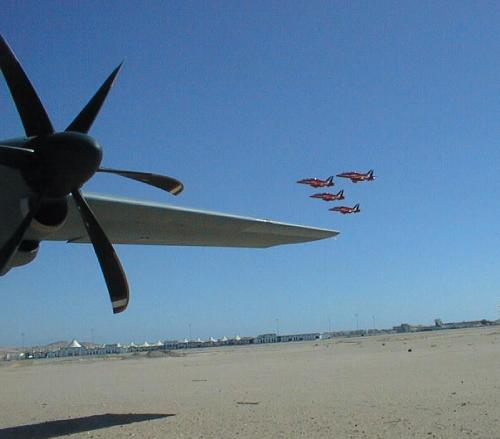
(448, 386)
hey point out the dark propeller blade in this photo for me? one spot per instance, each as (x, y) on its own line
(85, 119)
(163, 182)
(30, 108)
(16, 158)
(110, 264)
(11, 246)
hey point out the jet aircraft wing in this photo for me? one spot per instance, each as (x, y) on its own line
(127, 221)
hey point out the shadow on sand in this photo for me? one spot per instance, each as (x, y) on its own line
(51, 429)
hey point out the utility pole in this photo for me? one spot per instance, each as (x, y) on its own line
(22, 335)
(329, 324)
(373, 317)
(277, 326)
(356, 315)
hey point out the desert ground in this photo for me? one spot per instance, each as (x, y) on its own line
(425, 385)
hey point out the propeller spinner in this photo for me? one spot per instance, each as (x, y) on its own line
(57, 164)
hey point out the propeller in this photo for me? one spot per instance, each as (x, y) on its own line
(33, 116)
(110, 264)
(168, 184)
(56, 164)
(85, 119)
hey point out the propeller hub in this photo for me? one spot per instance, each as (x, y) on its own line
(66, 161)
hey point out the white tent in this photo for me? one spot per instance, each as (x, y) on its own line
(74, 344)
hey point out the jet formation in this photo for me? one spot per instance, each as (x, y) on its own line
(355, 177)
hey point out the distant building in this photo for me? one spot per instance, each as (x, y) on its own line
(274, 338)
(300, 337)
(170, 344)
(73, 349)
(404, 327)
(194, 344)
(14, 355)
(246, 340)
(115, 348)
(266, 338)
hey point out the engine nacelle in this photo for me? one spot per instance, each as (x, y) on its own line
(26, 252)
(50, 217)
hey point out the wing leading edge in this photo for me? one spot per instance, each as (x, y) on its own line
(127, 221)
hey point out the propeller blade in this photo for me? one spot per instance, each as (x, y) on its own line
(163, 182)
(110, 264)
(11, 246)
(85, 119)
(35, 120)
(16, 158)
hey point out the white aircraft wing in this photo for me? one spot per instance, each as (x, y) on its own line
(127, 221)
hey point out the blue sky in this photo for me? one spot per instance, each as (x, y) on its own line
(241, 99)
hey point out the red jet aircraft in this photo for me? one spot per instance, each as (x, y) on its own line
(326, 196)
(344, 209)
(317, 182)
(358, 176)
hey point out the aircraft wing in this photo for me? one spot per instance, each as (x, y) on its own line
(127, 221)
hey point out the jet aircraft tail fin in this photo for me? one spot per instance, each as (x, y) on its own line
(356, 208)
(329, 180)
